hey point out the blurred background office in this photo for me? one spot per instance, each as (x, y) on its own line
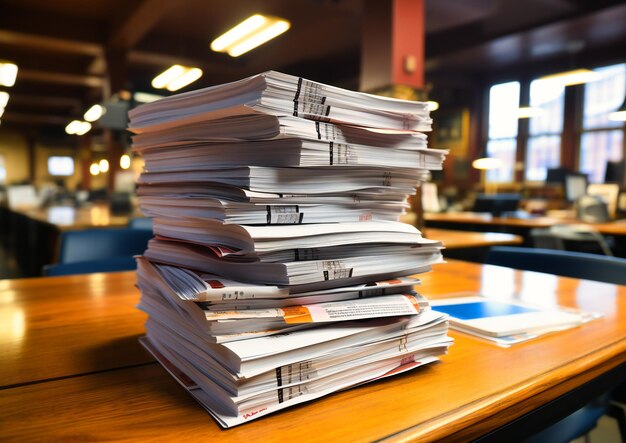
(527, 96)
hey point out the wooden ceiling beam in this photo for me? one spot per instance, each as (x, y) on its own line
(89, 81)
(52, 44)
(34, 119)
(45, 101)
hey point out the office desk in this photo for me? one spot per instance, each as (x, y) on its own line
(453, 239)
(472, 221)
(476, 389)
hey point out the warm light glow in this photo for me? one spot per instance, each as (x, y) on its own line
(4, 99)
(618, 116)
(529, 112)
(125, 161)
(487, 163)
(575, 77)
(187, 78)
(94, 113)
(163, 79)
(247, 35)
(176, 77)
(1, 111)
(258, 39)
(242, 30)
(432, 106)
(103, 165)
(146, 97)
(76, 127)
(8, 74)
(94, 169)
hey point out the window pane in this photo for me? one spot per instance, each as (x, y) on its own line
(503, 105)
(596, 148)
(549, 96)
(505, 151)
(544, 152)
(604, 96)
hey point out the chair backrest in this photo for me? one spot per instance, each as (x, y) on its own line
(565, 263)
(140, 223)
(102, 244)
(88, 267)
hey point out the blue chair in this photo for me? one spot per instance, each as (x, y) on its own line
(102, 244)
(88, 267)
(578, 265)
(565, 263)
(140, 223)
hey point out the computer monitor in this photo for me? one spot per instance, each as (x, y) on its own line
(496, 204)
(575, 186)
(556, 176)
(614, 172)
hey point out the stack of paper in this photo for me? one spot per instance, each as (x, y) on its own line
(279, 272)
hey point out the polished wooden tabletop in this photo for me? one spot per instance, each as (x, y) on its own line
(74, 338)
(476, 218)
(91, 215)
(453, 239)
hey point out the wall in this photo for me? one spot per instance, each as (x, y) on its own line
(14, 149)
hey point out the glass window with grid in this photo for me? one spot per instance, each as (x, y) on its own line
(601, 139)
(503, 127)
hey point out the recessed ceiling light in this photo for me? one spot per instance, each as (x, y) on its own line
(250, 33)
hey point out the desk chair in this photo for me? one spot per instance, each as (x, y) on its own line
(88, 267)
(577, 237)
(102, 244)
(140, 223)
(578, 265)
(565, 263)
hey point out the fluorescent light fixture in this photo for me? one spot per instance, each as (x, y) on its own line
(146, 97)
(529, 112)
(77, 127)
(94, 113)
(486, 163)
(432, 105)
(250, 33)
(125, 161)
(575, 77)
(618, 116)
(103, 165)
(4, 99)
(8, 73)
(176, 77)
(1, 111)
(94, 169)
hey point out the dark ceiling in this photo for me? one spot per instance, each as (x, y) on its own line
(63, 47)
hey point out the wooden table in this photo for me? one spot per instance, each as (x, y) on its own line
(453, 239)
(473, 221)
(72, 369)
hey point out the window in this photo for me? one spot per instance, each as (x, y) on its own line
(601, 139)
(543, 150)
(3, 170)
(60, 166)
(502, 143)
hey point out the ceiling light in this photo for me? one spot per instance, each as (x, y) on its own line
(103, 165)
(620, 114)
(432, 105)
(4, 99)
(94, 113)
(94, 169)
(247, 35)
(529, 112)
(487, 163)
(125, 161)
(176, 77)
(575, 77)
(8, 73)
(76, 127)
(146, 97)
(1, 111)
